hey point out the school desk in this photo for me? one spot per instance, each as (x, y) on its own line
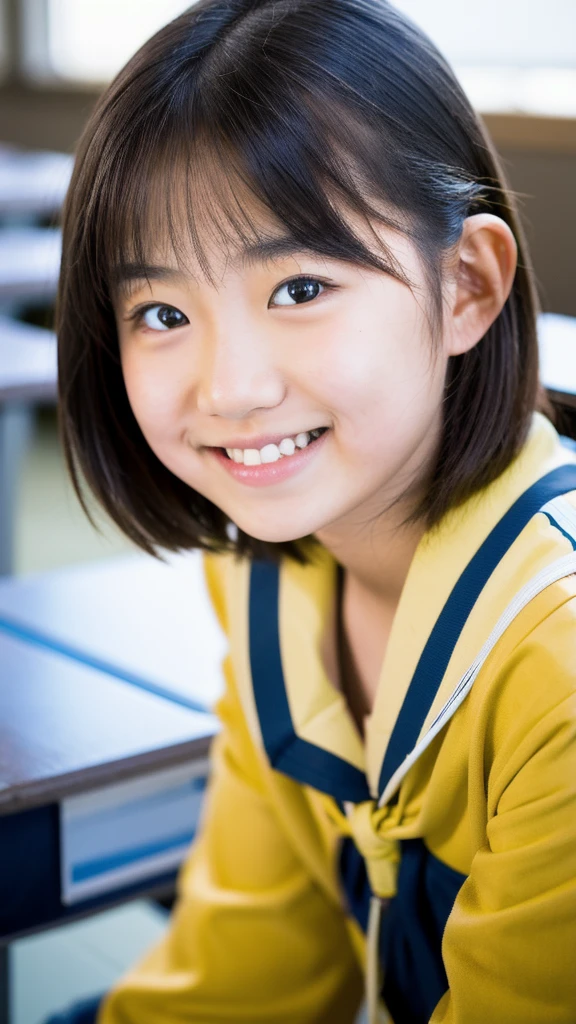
(33, 183)
(557, 345)
(29, 264)
(100, 787)
(27, 376)
(136, 618)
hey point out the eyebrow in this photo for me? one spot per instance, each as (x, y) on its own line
(250, 254)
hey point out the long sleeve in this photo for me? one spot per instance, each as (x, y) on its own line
(510, 942)
(252, 936)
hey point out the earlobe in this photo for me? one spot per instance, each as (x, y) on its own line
(486, 265)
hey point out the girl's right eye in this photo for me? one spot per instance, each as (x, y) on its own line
(159, 318)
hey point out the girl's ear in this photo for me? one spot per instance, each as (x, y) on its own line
(482, 279)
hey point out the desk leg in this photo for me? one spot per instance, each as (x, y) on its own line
(4, 984)
(15, 428)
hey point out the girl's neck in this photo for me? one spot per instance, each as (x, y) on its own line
(366, 597)
(375, 565)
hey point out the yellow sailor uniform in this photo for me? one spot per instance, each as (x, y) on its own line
(448, 835)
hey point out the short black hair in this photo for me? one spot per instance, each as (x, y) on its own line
(311, 106)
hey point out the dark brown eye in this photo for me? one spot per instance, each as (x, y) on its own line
(163, 318)
(297, 291)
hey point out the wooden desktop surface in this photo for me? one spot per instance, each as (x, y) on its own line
(557, 343)
(66, 728)
(32, 183)
(135, 617)
(29, 263)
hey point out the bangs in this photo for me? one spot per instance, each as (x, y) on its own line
(241, 191)
(237, 152)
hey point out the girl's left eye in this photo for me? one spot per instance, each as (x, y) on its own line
(160, 318)
(298, 291)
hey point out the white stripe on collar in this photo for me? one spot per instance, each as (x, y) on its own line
(562, 567)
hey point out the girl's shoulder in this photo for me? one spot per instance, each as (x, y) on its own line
(226, 578)
(526, 691)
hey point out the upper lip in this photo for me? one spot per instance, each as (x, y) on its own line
(262, 440)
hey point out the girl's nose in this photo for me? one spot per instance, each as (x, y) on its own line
(237, 376)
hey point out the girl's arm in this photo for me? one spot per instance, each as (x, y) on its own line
(510, 942)
(252, 936)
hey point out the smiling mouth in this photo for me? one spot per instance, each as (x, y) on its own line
(272, 452)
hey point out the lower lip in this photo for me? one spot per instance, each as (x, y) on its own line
(269, 472)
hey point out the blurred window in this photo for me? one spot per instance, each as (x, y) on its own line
(513, 55)
(510, 55)
(89, 40)
(3, 40)
(520, 33)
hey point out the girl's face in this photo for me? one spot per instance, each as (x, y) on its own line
(278, 346)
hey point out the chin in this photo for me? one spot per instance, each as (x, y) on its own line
(274, 534)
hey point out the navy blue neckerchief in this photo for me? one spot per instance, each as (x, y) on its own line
(314, 766)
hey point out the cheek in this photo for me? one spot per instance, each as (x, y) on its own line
(154, 396)
(382, 386)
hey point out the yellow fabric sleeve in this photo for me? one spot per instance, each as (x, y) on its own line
(510, 942)
(252, 937)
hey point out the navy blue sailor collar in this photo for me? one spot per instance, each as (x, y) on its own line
(454, 592)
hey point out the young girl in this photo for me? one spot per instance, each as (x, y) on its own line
(297, 331)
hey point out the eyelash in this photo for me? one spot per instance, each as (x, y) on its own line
(137, 315)
(326, 285)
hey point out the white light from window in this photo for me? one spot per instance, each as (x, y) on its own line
(3, 40)
(90, 40)
(504, 33)
(510, 55)
(548, 92)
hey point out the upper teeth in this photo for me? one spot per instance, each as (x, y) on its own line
(272, 452)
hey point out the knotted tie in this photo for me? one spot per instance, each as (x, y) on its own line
(381, 855)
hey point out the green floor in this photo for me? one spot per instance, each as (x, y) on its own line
(54, 968)
(52, 529)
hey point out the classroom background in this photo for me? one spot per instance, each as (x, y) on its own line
(516, 60)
